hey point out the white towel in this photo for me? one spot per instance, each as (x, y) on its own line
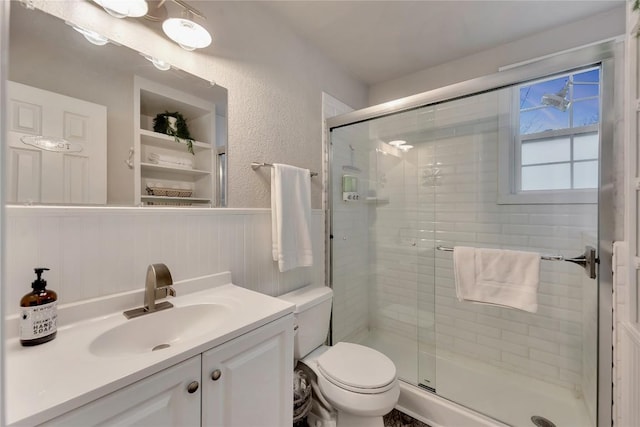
(497, 277)
(291, 216)
(162, 159)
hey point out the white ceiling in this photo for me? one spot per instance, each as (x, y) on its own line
(377, 41)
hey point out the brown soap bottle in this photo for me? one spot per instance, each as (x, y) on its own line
(38, 313)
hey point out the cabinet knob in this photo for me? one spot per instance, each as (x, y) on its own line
(193, 387)
(215, 375)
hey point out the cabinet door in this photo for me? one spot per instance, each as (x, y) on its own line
(248, 382)
(162, 399)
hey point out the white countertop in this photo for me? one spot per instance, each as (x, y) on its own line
(47, 380)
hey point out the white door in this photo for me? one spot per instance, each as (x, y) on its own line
(64, 176)
(248, 382)
(166, 399)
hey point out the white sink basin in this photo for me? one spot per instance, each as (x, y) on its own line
(156, 331)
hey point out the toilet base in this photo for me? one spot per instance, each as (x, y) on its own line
(350, 420)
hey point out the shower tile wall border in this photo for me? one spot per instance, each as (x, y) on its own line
(547, 345)
(93, 252)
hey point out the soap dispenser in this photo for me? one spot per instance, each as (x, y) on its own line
(38, 313)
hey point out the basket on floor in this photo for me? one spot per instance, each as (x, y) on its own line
(301, 396)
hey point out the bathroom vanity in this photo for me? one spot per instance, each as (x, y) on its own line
(222, 356)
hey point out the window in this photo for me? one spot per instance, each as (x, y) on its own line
(555, 134)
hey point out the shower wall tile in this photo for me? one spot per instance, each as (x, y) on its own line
(93, 252)
(460, 208)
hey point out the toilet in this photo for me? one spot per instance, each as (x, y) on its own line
(357, 383)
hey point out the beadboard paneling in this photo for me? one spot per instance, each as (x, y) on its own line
(94, 252)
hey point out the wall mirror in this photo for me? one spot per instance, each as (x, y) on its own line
(81, 120)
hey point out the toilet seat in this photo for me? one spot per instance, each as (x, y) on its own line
(357, 368)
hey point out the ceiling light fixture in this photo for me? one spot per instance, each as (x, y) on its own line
(124, 8)
(405, 148)
(397, 143)
(158, 63)
(184, 31)
(90, 35)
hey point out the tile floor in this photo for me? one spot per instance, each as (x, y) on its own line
(396, 418)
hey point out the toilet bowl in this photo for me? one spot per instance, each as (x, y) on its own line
(358, 383)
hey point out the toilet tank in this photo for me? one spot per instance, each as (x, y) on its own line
(312, 315)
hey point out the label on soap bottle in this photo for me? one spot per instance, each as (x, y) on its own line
(38, 321)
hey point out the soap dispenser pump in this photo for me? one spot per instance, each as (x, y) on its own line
(38, 313)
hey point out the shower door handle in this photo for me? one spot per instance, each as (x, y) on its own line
(587, 260)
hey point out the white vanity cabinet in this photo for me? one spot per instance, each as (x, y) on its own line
(249, 381)
(164, 399)
(162, 163)
(244, 382)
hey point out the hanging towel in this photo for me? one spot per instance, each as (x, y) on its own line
(291, 216)
(497, 277)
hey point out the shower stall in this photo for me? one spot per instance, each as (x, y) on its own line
(518, 160)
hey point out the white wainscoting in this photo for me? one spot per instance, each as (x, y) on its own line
(94, 252)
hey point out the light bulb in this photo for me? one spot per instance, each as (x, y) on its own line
(91, 36)
(397, 143)
(158, 63)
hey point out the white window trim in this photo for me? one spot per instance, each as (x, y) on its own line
(508, 159)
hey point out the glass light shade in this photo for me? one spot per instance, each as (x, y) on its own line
(158, 63)
(124, 8)
(397, 143)
(405, 148)
(186, 33)
(91, 36)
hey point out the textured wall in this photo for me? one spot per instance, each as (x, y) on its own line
(274, 78)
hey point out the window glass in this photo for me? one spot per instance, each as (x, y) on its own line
(585, 174)
(558, 145)
(585, 146)
(546, 177)
(531, 95)
(546, 151)
(585, 90)
(543, 119)
(592, 76)
(586, 113)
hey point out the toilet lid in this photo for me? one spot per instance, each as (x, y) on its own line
(356, 366)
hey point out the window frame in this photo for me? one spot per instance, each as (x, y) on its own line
(510, 149)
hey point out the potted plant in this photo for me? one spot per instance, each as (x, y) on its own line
(174, 124)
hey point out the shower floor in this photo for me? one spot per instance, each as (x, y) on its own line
(503, 395)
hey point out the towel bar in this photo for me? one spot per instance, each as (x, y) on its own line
(587, 260)
(256, 165)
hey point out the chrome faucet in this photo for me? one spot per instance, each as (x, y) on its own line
(158, 284)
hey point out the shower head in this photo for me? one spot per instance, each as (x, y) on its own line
(557, 100)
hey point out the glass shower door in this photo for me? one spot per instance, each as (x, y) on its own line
(384, 222)
(505, 169)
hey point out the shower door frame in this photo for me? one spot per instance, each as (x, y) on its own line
(604, 54)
